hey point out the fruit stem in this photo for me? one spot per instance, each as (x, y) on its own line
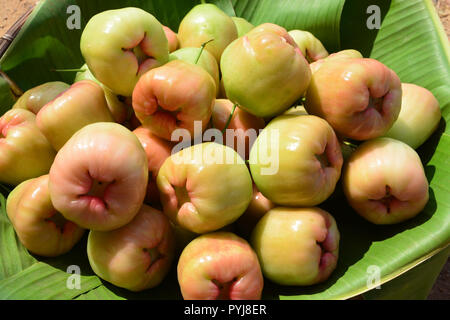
(203, 1)
(229, 118)
(69, 70)
(201, 49)
(352, 145)
(15, 89)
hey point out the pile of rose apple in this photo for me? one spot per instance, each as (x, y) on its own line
(150, 150)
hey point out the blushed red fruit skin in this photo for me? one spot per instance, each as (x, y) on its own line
(101, 152)
(384, 181)
(172, 38)
(350, 105)
(240, 123)
(25, 152)
(31, 213)
(82, 104)
(173, 97)
(222, 257)
(122, 257)
(157, 150)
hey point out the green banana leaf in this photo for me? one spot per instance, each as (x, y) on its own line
(405, 258)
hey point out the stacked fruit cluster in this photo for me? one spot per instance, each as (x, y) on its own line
(211, 148)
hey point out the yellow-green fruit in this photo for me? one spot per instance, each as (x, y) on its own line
(296, 246)
(207, 22)
(264, 71)
(35, 98)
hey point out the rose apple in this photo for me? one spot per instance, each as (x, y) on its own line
(25, 152)
(136, 256)
(296, 246)
(205, 60)
(419, 116)
(39, 227)
(173, 97)
(121, 45)
(35, 98)
(219, 265)
(204, 187)
(384, 181)
(310, 46)
(172, 38)
(244, 127)
(157, 150)
(84, 103)
(296, 160)
(207, 22)
(264, 71)
(120, 110)
(364, 100)
(99, 177)
(344, 54)
(242, 26)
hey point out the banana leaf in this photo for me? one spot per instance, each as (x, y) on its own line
(404, 259)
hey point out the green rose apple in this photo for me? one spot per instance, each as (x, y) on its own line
(264, 71)
(204, 187)
(136, 256)
(242, 25)
(35, 98)
(207, 22)
(419, 116)
(296, 160)
(296, 246)
(121, 45)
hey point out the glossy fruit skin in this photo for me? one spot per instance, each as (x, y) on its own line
(39, 227)
(157, 150)
(25, 152)
(257, 208)
(289, 243)
(121, 45)
(206, 61)
(419, 116)
(242, 26)
(309, 160)
(119, 109)
(204, 187)
(219, 259)
(264, 71)
(35, 98)
(363, 102)
(136, 256)
(241, 122)
(104, 185)
(203, 23)
(172, 38)
(343, 54)
(384, 181)
(82, 104)
(310, 46)
(173, 97)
